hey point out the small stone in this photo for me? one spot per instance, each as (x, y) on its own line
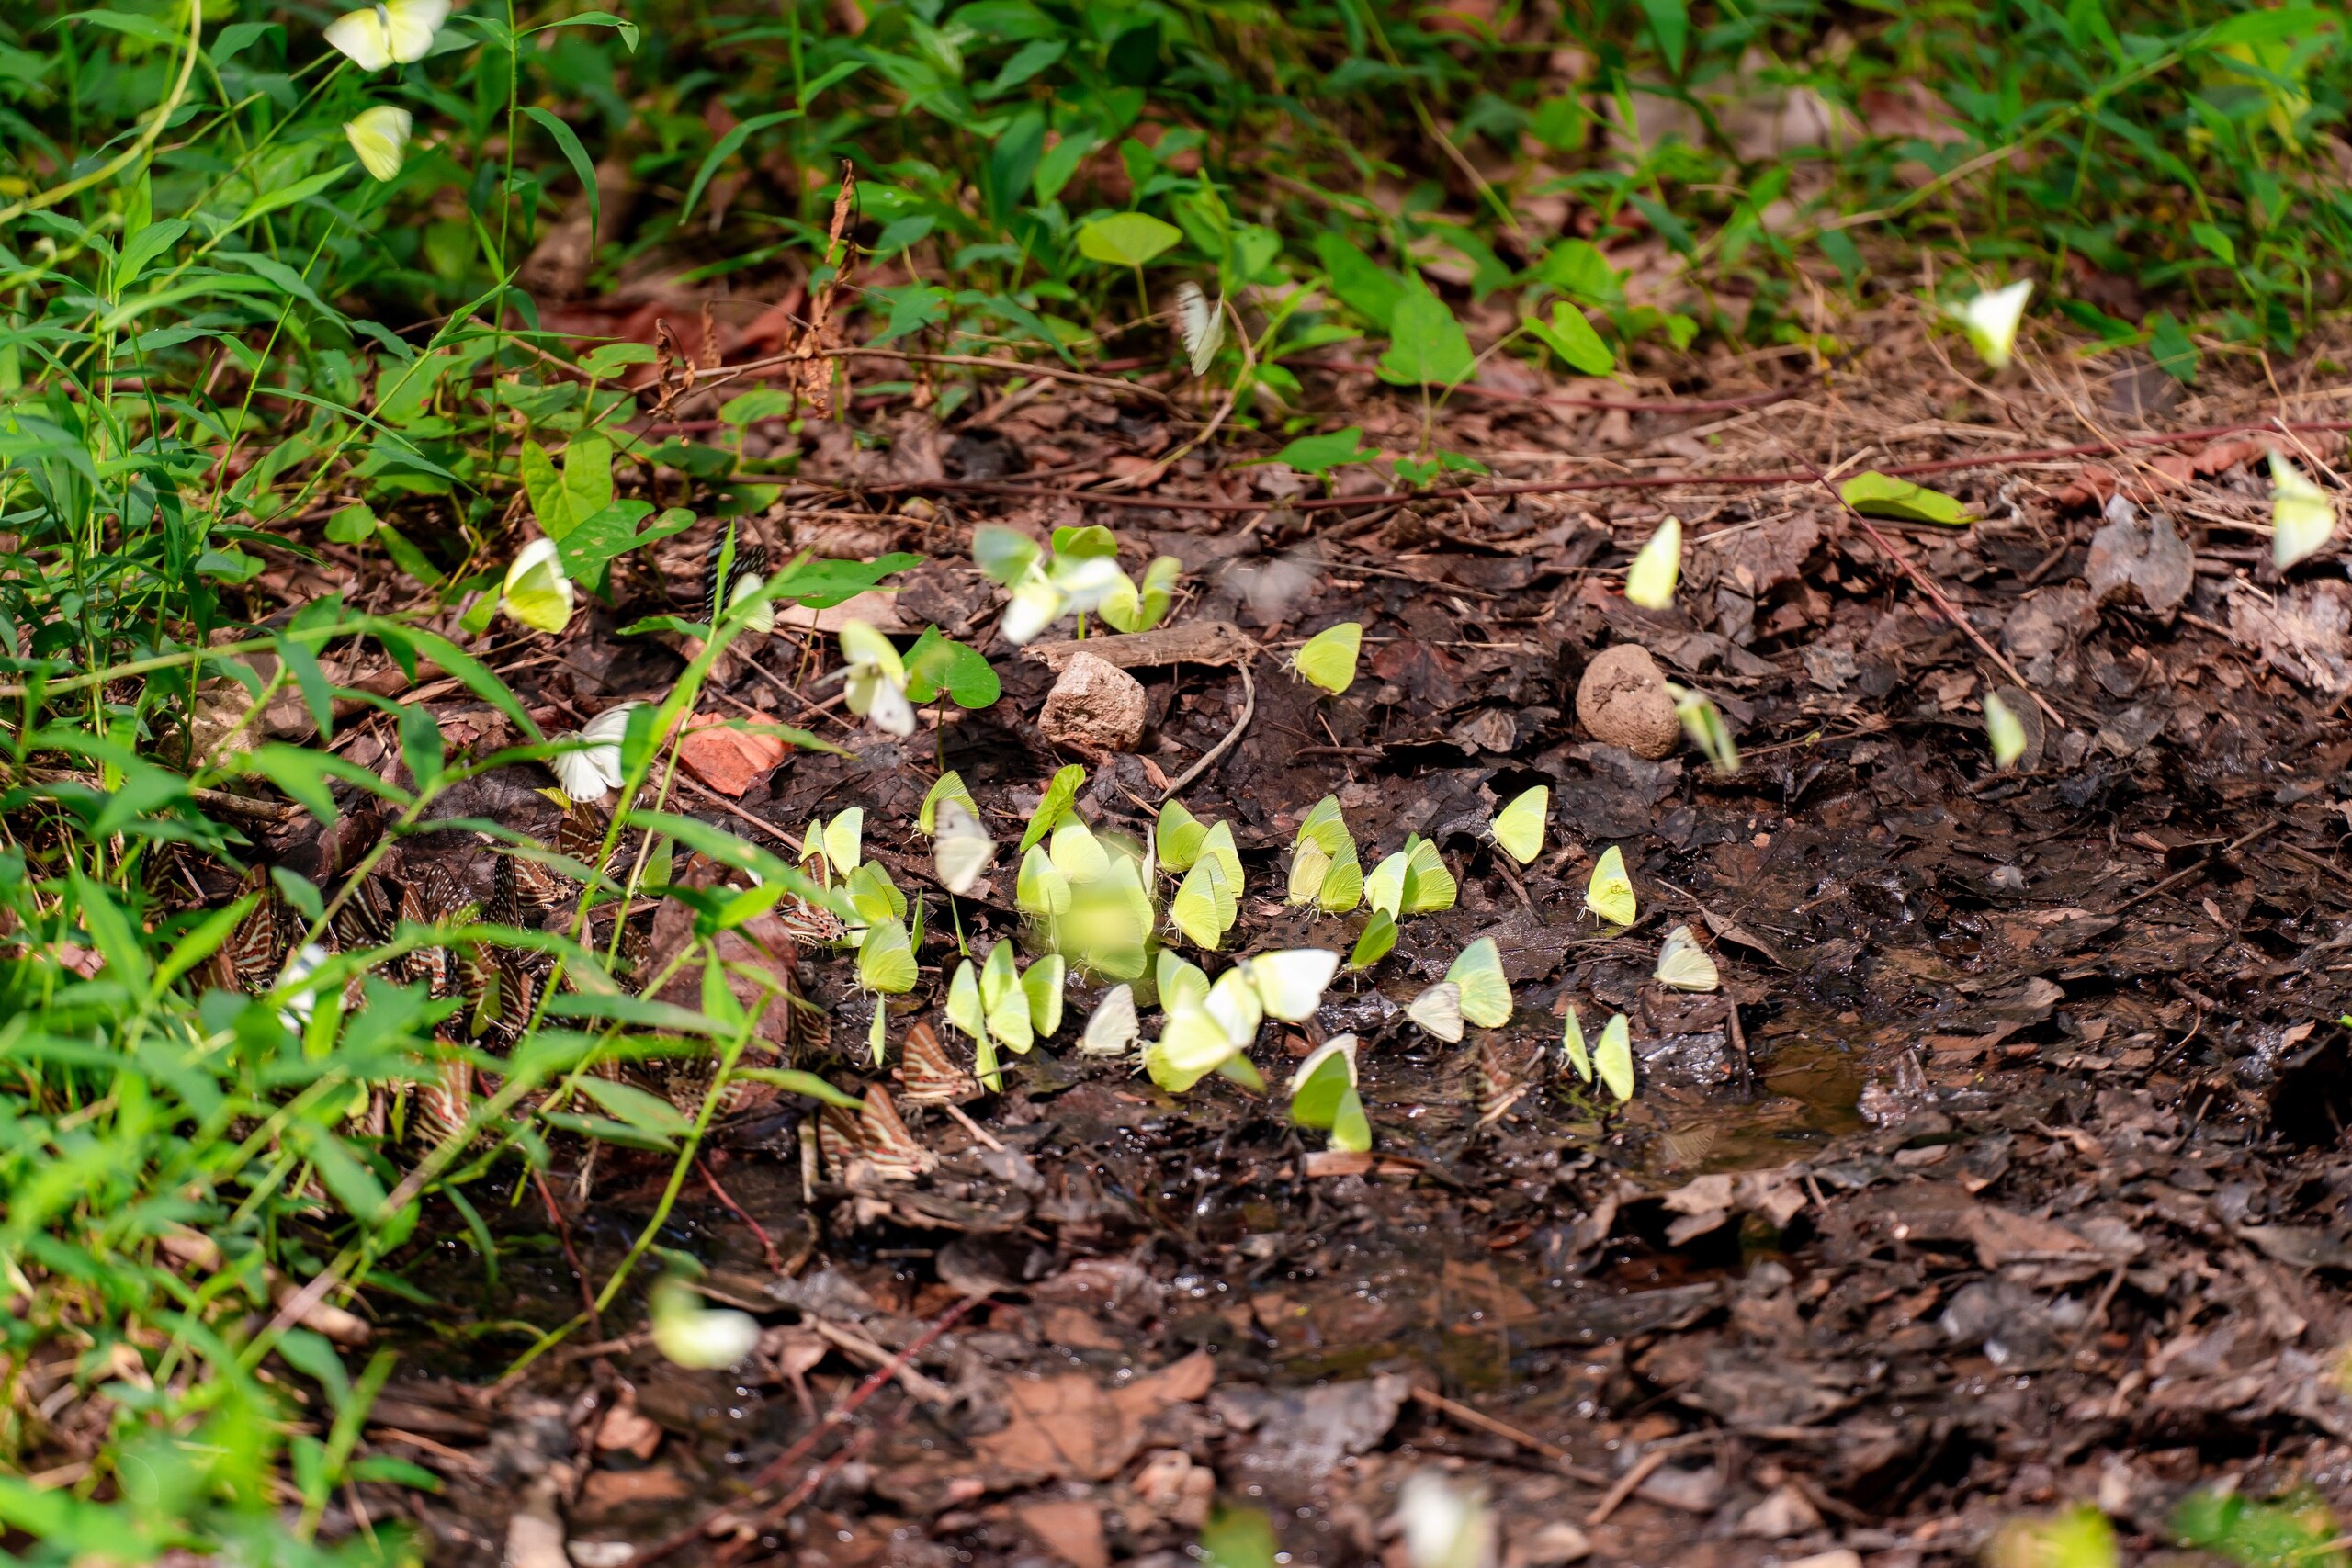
(1554, 1546)
(1095, 706)
(1623, 700)
(1785, 1513)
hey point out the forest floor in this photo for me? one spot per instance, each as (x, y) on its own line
(2007, 1169)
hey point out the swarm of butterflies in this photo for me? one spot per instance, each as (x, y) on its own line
(1094, 899)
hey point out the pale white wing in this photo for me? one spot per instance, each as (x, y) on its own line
(1202, 324)
(363, 36)
(412, 24)
(1113, 1026)
(1290, 983)
(1439, 1010)
(963, 848)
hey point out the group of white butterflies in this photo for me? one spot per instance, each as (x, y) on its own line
(396, 32)
(1095, 894)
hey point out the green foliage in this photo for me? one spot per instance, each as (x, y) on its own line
(2297, 1531)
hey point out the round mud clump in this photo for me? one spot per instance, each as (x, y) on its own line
(1622, 701)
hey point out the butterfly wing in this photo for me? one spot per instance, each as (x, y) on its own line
(1042, 984)
(1684, 964)
(379, 136)
(1614, 1059)
(1342, 888)
(1385, 889)
(1327, 659)
(1308, 865)
(1439, 1010)
(886, 961)
(409, 26)
(1290, 983)
(1519, 827)
(1112, 1029)
(1378, 936)
(364, 36)
(1610, 894)
(964, 1009)
(1484, 992)
(1202, 325)
(2003, 732)
(1429, 886)
(1041, 889)
(844, 839)
(1572, 1046)
(963, 848)
(1650, 580)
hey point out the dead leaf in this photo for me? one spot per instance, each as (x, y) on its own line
(728, 761)
(1070, 1530)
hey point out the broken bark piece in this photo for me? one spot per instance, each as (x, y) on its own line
(1195, 642)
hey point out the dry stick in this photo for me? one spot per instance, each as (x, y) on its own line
(773, 1258)
(777, 1468)
(1248, 708)
(1643, 1468)
(571, 1255)
(1481, 1421)
(1926, 585)
(725, 374)
(2202, 866)
(1569, 401)
(1568, 487)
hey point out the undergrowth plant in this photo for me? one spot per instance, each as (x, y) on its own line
(261, 318)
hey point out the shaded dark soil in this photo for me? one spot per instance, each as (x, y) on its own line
(2007, 1169)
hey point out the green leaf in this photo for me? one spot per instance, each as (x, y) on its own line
(724, 149)
(621, 1008)
(300, 891)
(796, 1082)
(355, 524)
(1320, 454)
(1570, 335)
(939, 664)
(1362, 285)
(1126, 239)
(588, 476)
(544, 488)
(1427, 346)
(1874, 494)
(606, 1130)
(567, 142)
(646, 1112)
(1052, 805)
(1671, 25)
(2170, 346)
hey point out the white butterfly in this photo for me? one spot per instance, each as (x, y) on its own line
(393, 32)
(1201, 325)
(1112, 1028)
(1290, 983)
(1439, 1010)
(594, 770)
(962, 849)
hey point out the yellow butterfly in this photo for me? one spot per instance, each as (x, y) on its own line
(535, 592)
(1178, 838)
(1650, 580)
(381, 137)
(1041, 889)
(1205, 906)
(1704, 723)
(1684, 964)
(1378, 936)
(950, 786)
(1610, 894)
(2301, 516)
(962, 849)
(393, 32)
(1572, 1047)
(1290, 983)
(1614, 1060)
(1481, 992)
(1329, 658)
(1519, 827)
(2003, 732)
(1439, 1010)
(886, 959)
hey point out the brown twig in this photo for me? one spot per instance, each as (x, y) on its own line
(1942, 601)
(2178, 877)
(1479, 1420)
(773, 1258)
(570, 1253)
(1570, 401)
